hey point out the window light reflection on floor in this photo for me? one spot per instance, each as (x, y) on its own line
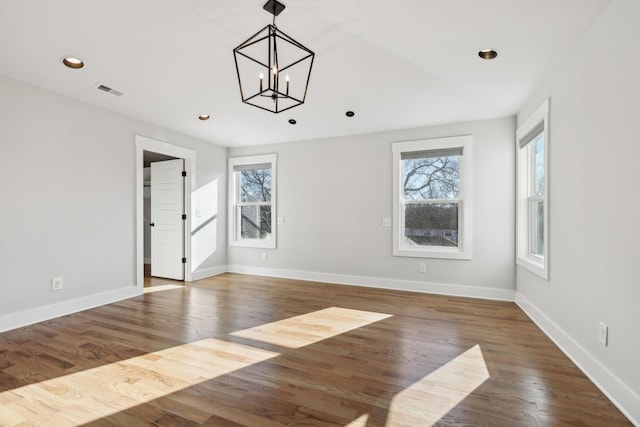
(446, 387)
(306, 329)
(159, 288)
(96, 393)
(92, 394)
(361, 421)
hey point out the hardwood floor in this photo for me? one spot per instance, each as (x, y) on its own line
(241, 350)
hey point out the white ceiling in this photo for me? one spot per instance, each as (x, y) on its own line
(397, 64)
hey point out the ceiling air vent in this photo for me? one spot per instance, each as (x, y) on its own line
(107, 89)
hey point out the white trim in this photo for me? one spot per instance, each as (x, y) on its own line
(189, 156)
(615, 389)
(465, 204)
(379, 282)
(208, 272)
(40, 314)
(536, 266)
(232, 217)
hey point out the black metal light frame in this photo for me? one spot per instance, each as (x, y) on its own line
(271, 36)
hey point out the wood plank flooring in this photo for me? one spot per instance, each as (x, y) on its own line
(240, 350)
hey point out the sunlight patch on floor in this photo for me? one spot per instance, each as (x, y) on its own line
(361, 421)
(92, 394)
(306, 329)
(160, 288)
(431, 398)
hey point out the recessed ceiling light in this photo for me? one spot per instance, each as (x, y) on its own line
(71, 62)
(204, 117)
(292, 121)
(349, 114)
(488, 54)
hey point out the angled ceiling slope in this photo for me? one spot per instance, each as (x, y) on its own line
(414, 64)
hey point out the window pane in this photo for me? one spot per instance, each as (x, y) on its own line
(431, 224)
(539, 165)
(255, 222)
(431, 178)
(255, 185)
(536, 227)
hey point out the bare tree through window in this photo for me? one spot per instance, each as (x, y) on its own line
(255, 203)
(431, 187)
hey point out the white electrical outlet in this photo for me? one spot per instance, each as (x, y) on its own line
(264, 256)
(386, 222)
(56, 283)
(423, 267)
(280, 220)
(603, 334)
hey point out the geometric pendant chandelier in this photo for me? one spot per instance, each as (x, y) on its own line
(273, 69)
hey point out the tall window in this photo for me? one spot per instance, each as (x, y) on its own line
(432, 198)
(252, 201)
(532, 209)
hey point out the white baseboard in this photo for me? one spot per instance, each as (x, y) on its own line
(40, 314)
(377, 282)
(208, 272)
(616, 390)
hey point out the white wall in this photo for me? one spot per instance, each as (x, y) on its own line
(333, 194)
(67, 181)
(595, 205)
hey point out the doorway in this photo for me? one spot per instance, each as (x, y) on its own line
(148, 152)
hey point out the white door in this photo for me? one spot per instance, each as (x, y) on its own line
(167, 225)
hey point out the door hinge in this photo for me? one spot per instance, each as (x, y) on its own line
(184, 216)
(184, 173)
(184, 260)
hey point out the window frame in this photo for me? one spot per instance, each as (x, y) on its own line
(234, 235)
(464, 200)
(526, 191)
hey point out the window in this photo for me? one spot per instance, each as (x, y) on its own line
(432, 198)
(252, 195)
(532, 187)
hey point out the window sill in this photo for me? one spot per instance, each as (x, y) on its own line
(432, 253)
(250, 243)
(537, 267)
